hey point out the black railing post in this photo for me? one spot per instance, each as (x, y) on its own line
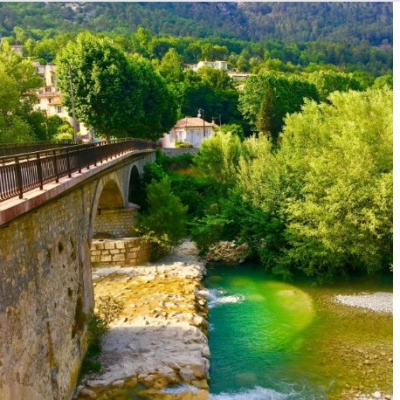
(55, 165)
(87, 157)
(78, 159)
(18, 175)
(39, 170)
(68, 165)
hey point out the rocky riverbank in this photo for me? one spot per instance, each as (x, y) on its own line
(158, 346)
(381, 302)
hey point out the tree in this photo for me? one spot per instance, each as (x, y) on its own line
(340, 204)
(381, 81)
(23, 72)
(164, 223)
(215, 78)
(115, 94)
(157, 101)
(171, 67)
(269, 97)
(218, 158)
(234, 129)
(327, 82)
(324, 198)
(266, 114)
(18, 79)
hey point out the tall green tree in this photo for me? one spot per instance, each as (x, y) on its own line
(18, 80)
(266, 114)
(340, 211)
(113, 93)
(157, 102)
(171, 67)
(328, 81)
(269, 97)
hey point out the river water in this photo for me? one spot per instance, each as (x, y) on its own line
(275, 340)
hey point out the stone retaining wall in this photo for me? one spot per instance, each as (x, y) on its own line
(178, 152)
(117, 222)
(46, 293)
(122, 252)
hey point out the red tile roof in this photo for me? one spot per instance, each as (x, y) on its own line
(192, 122)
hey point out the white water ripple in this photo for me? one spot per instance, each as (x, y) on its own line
(258, 393)
(215, 298)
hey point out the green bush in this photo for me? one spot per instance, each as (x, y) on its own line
(170, 164)
(97, 326)
(151, 171)
(164, 223)
(183, 145)
(197, 194)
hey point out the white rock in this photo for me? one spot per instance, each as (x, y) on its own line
(88, 393)
(118, 383)
(187, 374)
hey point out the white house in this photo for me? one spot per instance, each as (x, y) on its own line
(188, 130)
(212, 64)
(235, 76)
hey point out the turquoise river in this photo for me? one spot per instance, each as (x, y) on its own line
(275, 340)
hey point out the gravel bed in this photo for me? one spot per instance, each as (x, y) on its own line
(379, 301)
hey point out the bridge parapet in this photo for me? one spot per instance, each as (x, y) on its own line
(24, 172)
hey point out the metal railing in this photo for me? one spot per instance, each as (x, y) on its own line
(10, 149)
(24, 172)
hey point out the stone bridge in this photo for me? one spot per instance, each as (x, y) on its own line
(45, 273)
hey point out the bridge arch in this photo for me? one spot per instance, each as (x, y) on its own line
(114, 212)
(111, 196)
(134, 185)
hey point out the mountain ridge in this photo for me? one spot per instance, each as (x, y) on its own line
(371, 22)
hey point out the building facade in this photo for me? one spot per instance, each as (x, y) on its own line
(189, 130)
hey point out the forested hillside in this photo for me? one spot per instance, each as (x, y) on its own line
(284, 21)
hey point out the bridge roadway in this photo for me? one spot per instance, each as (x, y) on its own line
(46, 289)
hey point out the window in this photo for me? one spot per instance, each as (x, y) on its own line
(59, 109)
(49, 101)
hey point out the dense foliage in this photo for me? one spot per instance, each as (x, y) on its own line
(164, 222)
(113, 93)
(267, 98)
(288, 22)
(250, 36)
(18, 79)
(218, 158)
(322, 201)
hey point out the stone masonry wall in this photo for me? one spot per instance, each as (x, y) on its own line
(116, 223)
(45, 293)
(123, 252)
(46, 290)
(178, 152)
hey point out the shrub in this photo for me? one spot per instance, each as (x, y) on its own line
(183, 145)
(164, 223)
(170, 164)
(109, 309)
